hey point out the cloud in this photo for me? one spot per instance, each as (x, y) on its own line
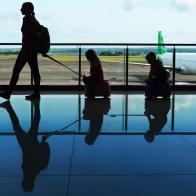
(181, 5)
(184, 102)
(184, 5)
(130, 4)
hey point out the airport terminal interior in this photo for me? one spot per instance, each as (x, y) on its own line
(112, 105)
(66, 144)
(123, 144)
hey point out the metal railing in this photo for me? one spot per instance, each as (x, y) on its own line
(127, 49)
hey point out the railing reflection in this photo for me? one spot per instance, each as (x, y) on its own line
(120, 115)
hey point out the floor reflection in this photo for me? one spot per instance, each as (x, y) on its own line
(78, 146)
(156, 111)
(36, 155)
(125, 114)
(94, 111)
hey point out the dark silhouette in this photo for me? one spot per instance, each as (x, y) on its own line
(28, 52)
(95, 85)
(96, 71)
(94, 110)
(156, 83)
(156, 112)
(36, 155)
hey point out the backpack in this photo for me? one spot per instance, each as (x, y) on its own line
(42, 39)
(43, 156)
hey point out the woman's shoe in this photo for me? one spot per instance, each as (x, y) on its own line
(5, 95)
(32, 96)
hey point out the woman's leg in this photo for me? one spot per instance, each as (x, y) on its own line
(33, 132)
(19, 64)
(33, 63)
(20, 133)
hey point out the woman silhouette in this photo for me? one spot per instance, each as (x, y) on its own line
(96, 71)
(95, 85)
(28, 52)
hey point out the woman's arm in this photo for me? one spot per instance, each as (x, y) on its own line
(150, 75)
(27, 32)
(96, 72)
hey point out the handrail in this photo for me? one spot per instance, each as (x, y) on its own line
(112, 44)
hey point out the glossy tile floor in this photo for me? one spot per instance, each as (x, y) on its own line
(68, 145)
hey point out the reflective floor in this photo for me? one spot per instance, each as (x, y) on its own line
(125, 145)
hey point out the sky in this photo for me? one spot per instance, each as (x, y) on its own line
(108, 21)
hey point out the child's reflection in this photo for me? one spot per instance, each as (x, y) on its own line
(156, 112)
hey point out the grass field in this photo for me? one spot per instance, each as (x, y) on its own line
(73, 58)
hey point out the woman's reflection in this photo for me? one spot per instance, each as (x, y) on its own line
(36, 155)
(156, 112)
(94, 110)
